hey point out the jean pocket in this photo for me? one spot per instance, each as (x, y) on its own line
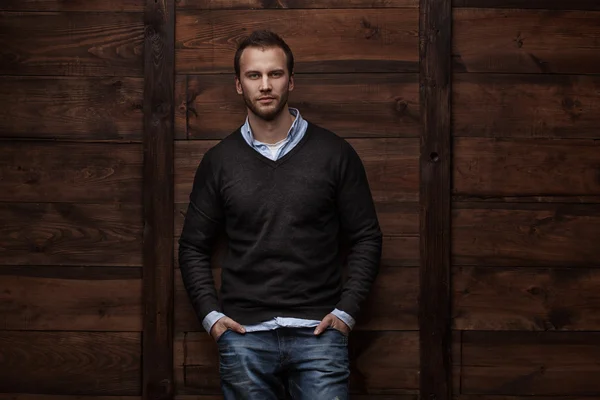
(340, 334)
(227, 332)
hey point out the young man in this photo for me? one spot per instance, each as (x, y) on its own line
(283, 189)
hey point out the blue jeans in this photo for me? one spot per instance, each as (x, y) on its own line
(266, 365)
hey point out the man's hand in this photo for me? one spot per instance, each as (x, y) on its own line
(334, 322)
(222, 325)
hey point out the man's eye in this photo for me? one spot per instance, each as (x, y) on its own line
(276, 74)
(253, 76)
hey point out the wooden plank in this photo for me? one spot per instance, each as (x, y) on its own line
(70, 234)
(84, 44)
(496, 168)
(391, 166)
(380, 362)
(435, 179)
(71, 108)
(159, 54)
(526, 41)
(327, 40)
(72, 5)
(55, 298)
(351, 105)
(526, 235)
(27, 396)
(266, 4)
(181, 102)
(546, 4)
(494, 397)
(106, 363)
(514, 298)
(395, 219)
(532, 364)
(70, 172)
(352, 397)
(391, 305)
(532, 105)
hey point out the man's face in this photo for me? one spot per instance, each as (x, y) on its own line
(264, 81)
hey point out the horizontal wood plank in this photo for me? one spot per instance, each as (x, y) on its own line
(70, 363)
(391, 165)
(71, 108)
(496, 168)
(344, 40)
(380, 362)
(70, 234)
(72, 5)
(526, 41)
(28, 396)
(53, 298)
(351, 105)
(545, 4)
(391, 305)
(56, 43)
(267, 4)
(70, 172)
(531, 363)
(538, 299)
(528, 106)
(526, 235)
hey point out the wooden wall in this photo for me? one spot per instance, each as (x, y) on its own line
(71, 95)
(526, 194)
(356, 74)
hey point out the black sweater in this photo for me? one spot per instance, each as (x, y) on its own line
(282, 219)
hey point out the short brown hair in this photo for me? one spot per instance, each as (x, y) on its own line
(263, 39)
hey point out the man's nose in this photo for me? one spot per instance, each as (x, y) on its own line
(265, 83)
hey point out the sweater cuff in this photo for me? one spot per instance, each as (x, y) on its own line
(345, 317)
(211, 319)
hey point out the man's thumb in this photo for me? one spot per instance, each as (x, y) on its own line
(322, 326)
(234, 326)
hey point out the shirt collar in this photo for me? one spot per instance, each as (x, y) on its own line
(292, 132)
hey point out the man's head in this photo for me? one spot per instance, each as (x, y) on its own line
(264, 67)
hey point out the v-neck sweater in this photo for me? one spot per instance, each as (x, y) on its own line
(284, 220)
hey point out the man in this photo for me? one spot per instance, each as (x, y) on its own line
(283, 189)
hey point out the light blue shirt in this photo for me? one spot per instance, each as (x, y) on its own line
(294, 135)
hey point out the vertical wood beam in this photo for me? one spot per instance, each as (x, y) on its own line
(435, 50)
(159, 55)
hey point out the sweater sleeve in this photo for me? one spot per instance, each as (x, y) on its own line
(200, 229)
(358, 221)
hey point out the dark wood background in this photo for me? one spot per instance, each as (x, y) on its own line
(525, 187)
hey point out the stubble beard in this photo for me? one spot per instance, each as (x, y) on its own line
(268, 114)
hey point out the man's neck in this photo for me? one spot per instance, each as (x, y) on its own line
(274, 131)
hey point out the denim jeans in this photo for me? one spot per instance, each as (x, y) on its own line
(267, 365)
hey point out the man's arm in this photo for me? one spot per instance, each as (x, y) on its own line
(202, 222)
(358, 220)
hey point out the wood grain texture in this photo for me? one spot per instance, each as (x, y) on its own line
(53, 43)
(488, 168)
(395, 218)
(435, 180)
(527, 299)
(159, 54)
(72, 5)
(28, 396)
(70, 234)
(526, 106)
(380, 362)
(526, 235)
(545, 4)
(391, 166)
(343, 40)
(351, 105)
(71, 108)
(526, 41)
(66, 363)
(391, 305)
(70, 172)
(531, 363)
(267, 4)
(54, 298)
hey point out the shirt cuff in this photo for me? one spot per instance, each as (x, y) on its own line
(344, 316)
(211, 319)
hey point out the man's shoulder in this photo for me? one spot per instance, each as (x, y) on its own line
(324, 136)
(223, 148)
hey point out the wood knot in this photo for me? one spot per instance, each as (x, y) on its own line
(401, 106)
(371, 32)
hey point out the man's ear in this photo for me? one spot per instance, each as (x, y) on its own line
(238, 86)
(291, 83)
